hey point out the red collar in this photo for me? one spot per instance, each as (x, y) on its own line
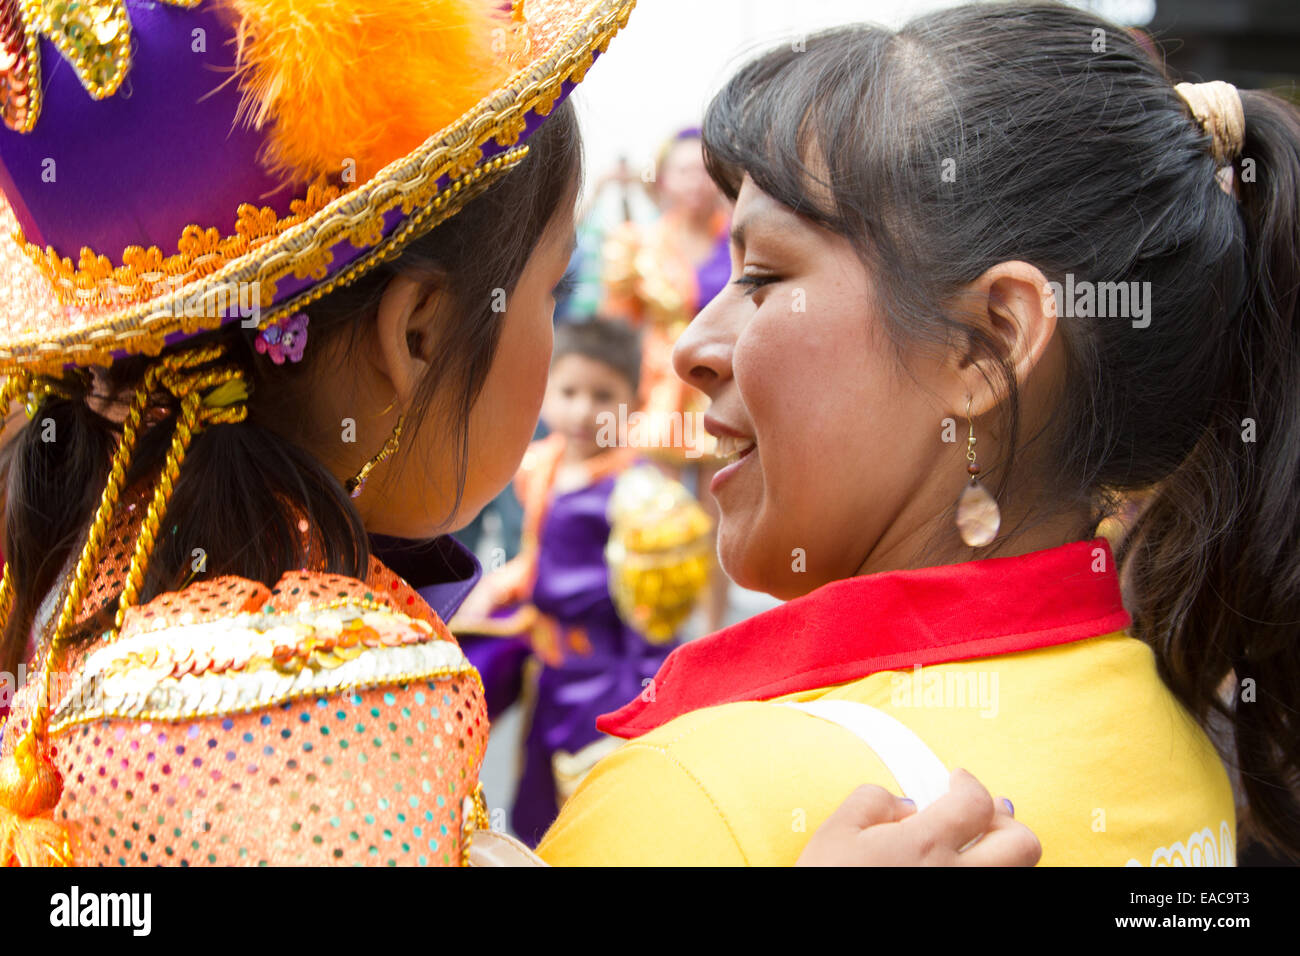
(855, 627)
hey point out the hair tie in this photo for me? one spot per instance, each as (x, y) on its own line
(1217, 107)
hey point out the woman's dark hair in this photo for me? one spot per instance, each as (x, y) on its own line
(245, 488)
(1038, 132)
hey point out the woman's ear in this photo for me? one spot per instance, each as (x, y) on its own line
(1013, 306)
(407, 311)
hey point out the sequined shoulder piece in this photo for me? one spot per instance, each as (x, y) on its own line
(248, 661)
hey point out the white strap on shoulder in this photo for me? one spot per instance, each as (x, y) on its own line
(491, 848)
(920, 774)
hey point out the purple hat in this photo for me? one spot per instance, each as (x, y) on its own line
(169, 167)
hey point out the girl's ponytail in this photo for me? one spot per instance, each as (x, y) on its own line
(1214, 560)
(53, 471)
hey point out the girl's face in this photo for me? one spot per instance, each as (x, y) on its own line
(842, 458)
(579, 393)
(413, 498)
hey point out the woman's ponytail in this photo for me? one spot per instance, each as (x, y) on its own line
(1214, 561)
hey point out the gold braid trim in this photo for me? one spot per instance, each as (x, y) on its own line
(145, 272)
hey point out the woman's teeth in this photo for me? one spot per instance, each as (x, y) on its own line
(733, 449)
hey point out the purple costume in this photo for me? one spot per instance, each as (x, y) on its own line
(603, 661)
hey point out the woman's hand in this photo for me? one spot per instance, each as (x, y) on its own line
(964, 827)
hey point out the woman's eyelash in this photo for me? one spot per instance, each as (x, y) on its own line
(752, 283)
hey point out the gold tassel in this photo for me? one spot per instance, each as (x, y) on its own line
(29, 789)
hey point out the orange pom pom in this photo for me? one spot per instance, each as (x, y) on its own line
(363, 82)
(28, 788)
(29, 791)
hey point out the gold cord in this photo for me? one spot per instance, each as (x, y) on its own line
(180, 374)
(6, 600)
(195, 413)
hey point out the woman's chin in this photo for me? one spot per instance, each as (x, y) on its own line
(740, 557)
(774, 571)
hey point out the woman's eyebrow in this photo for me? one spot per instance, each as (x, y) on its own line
(765, 222)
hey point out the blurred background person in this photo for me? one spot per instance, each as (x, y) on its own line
(557, 627)
(657, 276)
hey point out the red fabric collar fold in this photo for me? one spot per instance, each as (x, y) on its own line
(849, 629)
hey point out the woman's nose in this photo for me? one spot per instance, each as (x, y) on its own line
(702, 355)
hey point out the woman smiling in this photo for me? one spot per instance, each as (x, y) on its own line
(923, 448)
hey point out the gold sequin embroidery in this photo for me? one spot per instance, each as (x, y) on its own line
(94, 36)
(243, 662)
(145, 273)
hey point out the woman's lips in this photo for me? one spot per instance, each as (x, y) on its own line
(733, 448)
(738, 460)
(733, 445)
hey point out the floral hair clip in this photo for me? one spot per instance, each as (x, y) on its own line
(285, 339)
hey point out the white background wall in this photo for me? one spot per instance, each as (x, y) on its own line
(662, 70)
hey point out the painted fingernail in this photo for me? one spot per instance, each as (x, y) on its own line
(1010, 807)
(909, 801)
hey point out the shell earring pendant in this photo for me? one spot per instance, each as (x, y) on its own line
(978, 517)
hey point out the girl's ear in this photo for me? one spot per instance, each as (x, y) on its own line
(1013, 305)
(404, 320)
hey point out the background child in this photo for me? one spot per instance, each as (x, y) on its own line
(547, 626)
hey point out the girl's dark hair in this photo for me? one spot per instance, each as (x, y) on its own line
(1038, 132)
(244, 488)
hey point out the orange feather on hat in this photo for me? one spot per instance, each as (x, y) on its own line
(362, 82)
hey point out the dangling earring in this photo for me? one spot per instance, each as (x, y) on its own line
(978, 517)
(358, 481)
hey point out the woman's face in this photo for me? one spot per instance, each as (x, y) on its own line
(413, 498)
(846, 458)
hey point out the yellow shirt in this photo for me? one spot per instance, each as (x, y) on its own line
(1099, 758)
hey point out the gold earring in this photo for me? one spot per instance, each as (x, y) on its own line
(978, 517)
(358, 481)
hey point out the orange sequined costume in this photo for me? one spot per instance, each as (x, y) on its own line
(322, 721)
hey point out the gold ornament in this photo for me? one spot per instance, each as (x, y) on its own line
(357, 482)
(659, 553)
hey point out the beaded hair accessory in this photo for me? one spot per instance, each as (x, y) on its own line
(1217, 107)
(286, 339)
